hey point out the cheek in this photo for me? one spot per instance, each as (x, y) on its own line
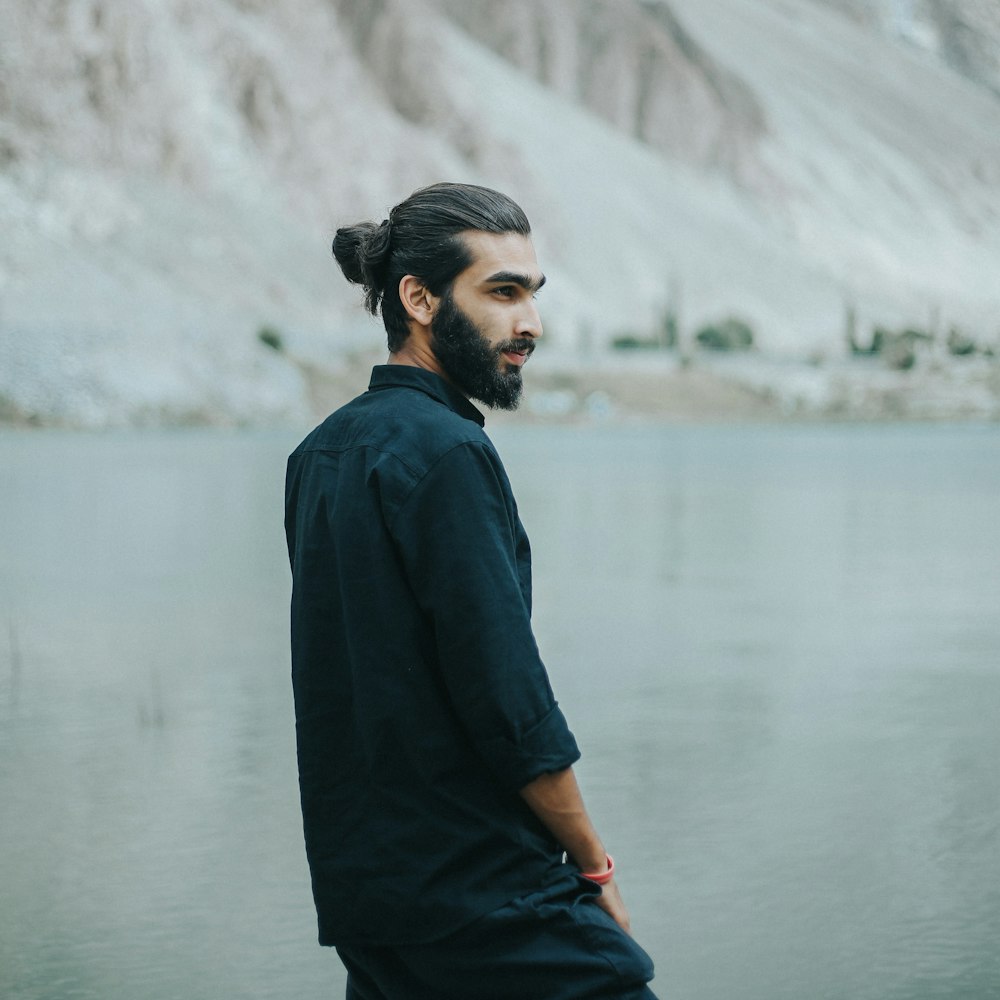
(498, 324)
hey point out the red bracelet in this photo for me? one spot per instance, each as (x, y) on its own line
(601, 878)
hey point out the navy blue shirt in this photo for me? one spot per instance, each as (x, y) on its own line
(422, 705)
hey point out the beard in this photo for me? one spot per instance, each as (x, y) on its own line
(472, 362)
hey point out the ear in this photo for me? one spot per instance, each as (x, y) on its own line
(418, 302)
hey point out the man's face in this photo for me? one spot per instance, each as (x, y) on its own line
(485, 326)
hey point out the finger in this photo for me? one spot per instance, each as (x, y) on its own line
(616, 910)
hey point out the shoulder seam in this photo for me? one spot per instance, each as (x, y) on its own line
(365, 446)
(482, 445)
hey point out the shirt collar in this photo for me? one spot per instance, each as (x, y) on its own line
(411, 377)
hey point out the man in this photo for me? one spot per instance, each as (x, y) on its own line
(435, 772)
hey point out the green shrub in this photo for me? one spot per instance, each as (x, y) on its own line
(959, 343)
(270, 337)
(730, 334)
(632, 342)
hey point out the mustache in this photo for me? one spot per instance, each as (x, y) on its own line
(517, 345)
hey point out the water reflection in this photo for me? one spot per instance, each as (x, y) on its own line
(779, 647)
(787, 623)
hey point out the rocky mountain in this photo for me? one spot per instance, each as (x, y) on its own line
(171, 172)
(963, 34)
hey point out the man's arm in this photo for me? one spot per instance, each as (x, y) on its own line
(456, 536)
(556, 800)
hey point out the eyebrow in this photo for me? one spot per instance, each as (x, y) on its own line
(526, 282)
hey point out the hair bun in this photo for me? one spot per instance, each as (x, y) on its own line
(348, 244)
(362, 251)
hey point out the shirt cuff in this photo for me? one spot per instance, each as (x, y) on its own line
(547, 747)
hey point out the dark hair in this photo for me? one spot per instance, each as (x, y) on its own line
(422, 237)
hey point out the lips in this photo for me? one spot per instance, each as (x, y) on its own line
(516, 352)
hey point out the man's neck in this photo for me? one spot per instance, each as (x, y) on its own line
(418, 355)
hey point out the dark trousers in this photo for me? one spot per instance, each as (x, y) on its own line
(556, 944)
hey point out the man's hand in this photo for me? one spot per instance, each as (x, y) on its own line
(555, 799)
(610, 900)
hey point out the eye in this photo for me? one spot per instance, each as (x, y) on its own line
(504, 291)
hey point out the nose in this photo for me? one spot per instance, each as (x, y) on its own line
(530, 323)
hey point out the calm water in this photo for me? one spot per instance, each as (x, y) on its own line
(778, 647)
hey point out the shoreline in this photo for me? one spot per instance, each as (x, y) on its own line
(646, 387)
(710, 389)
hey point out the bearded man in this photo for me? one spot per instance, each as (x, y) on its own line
(450, 851)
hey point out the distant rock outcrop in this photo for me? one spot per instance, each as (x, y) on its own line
(633, 64)
(171, 173)
(965, 34)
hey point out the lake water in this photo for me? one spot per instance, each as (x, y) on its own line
(779, 648)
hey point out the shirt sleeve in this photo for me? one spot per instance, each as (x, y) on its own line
(457, 535)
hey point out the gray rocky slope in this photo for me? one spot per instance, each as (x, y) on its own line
(171, 172)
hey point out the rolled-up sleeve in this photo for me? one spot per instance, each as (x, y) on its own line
(458, 535)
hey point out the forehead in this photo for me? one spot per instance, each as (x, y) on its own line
(493, 253)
